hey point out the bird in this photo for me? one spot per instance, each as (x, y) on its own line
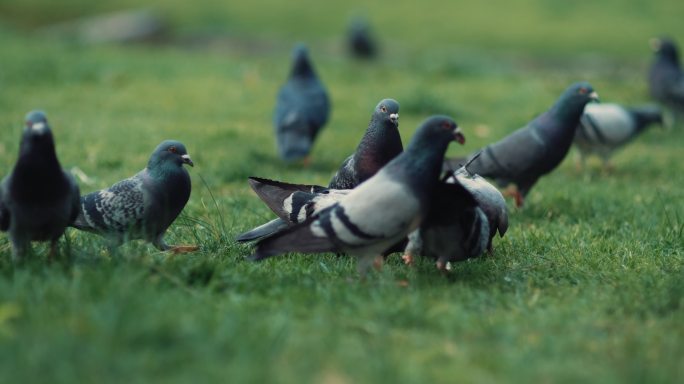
(292, 203)
(380, 211)
(144, 205)
(536, 149)
(665, 77)
(380, 143)
(455, 228)
(302, 109)
(603, 128)
(360, 41)
(38, 200)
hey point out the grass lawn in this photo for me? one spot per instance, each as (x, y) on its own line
(587, 285)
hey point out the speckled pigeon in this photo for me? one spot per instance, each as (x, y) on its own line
(604, 128)
(380, 144)
(665, 78)
(292, 203)
(534, 150)
(302, 109)
(379, 212)
(38, 200)
(142, 206)
(360, 41)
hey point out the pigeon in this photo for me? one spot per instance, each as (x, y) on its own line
(665, 78)
(379, 212)
(455, 228)
(380, 144)
(301, 110)
(38, 200)
(534, 150)
(603, 128)
(292, 203)
(142, 206)
(360, 41)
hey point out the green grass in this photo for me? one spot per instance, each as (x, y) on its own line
(587, 285)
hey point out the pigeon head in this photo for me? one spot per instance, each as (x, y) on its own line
(387, 110)
(37, 135)
(665, 48)
(300, 58)
(169, 153)
(572, 101)
(436, 132)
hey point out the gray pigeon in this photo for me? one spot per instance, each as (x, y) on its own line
(604, 128)
(38, 200)
(360, 41)
(536, 149)
(381, 211)
(455, 228)
(142, 206)
(665, 78)
(380, 144)
(302, 109)
(292, 203)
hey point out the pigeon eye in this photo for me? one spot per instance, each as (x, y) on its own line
(173, 150)
(383, 109)
(583, 91)
(446, 125)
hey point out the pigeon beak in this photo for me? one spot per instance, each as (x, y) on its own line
(594, 97)
(458, 136)
(38, 128)
(394, 117)
(187, 160)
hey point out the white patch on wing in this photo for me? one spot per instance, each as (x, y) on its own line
(287, 204)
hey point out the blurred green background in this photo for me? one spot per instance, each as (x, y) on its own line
(586, 286)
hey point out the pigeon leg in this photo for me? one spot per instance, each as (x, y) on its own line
(364, 264)
(307, 161)
(378, 262)
(414, 246)
(19, 247)
(408, 258)
(513, 191)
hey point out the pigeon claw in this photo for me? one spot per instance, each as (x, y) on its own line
(408, 258)
(177, 249)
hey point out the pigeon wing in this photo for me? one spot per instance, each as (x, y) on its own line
(116, 209)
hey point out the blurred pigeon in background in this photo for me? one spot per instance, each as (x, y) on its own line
(380, 144)
(381, 211)
(142, 206)
(604, 128)
(665, 78)
(292, 203)
(360, 41)
(534, 150)
(302, 109)
(38, 200)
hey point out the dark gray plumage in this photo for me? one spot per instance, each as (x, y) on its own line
(604, 128)
(381, 211)
(665, 77)
(360, 41)
(142, 206)
(38, 200)
(455, 228)
(534, 150)
(379, 145)
(302, 108)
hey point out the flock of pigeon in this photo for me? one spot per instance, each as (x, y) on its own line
(384, 198)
